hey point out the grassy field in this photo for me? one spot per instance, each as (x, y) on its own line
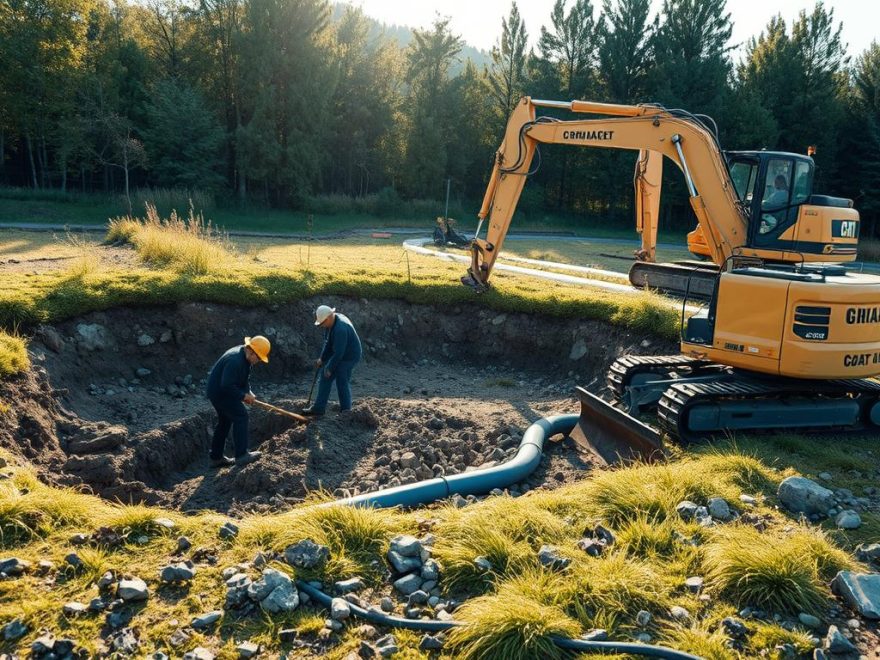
(512, 609)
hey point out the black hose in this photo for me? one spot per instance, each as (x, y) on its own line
(423, 625)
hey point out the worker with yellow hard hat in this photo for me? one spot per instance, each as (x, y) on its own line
(228, 390)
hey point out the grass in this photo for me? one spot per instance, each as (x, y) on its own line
(13, 354)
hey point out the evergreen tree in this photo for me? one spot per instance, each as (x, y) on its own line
(507, 77)
(625, 50)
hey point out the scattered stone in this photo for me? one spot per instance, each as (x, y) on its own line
(702, 517)
(180, 572)
(430, 643)
(679, 613)
(45, 566)
(145, 340)
(848, 519)
(386, 604)
(91, 336)
(206, 620)
(340, 610)
(97, 605)
(183, 544)
(401, 564)
(860, 590)
(431, 570)
(287, 635)
(747, 499)
(43, 645)
(79, 539)
(73, 560)
(167, 523)
(801, 495)
(387, 646)
(694, 584)
(837, 644)
(284, 598)
(74, 609)
(14, 566)
(595, 635)
(483, 564)
(406, 545)
(198, 653)
(644, 638)
(306, 554)
(349, 586)
(237, 590)
(408, 584)
(409, 460)
(868, 552)
(228, 530)
(643, 618)
(825, 476)
(593, 547)
(132, 590)
(125, 642)
(142, 372)
(735, 629)
(419, 597)
(247, 649)
(719, 509)
(260, 560)
(819, 654)
(809, 620)
(14, 630)
(686, 510)
(106, 580)
(550, 558)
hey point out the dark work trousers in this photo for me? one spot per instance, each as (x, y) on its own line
(342, 376)
(234, 415)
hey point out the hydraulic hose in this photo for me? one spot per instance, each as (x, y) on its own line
(423, 625)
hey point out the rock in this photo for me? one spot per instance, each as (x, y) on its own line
(809, 620)
(429, 585)
(848, 519)
(679, 613)
(73, 560)
(183, 544)
(403, 565)
(550, 558)
(702, 517)
(106, 580)
(694, 584)
(43, 645)
(260, 560)
(141, 372)
(79, 539)
(418, 597)
(14, 566)
(74, 609)
(436, 424)
(167, 523)
(860, 590)
(408, 584)
(735, 629)
(868, 552)
(51, 338)
(801, 495)
(125, 642)
(825, 476)
(406, 545)
(145, 340)
(268, 582)
(483, 564)
(306, 554)
(132, 590)
(206, 620)
(431, 570)
(14, 630)
(747, 499)
(349, 586)
(837, 644)
(92, 336)
(819, 654)
(45, 566)
(340, 610)
(386, 604)
(686, 510)
(198, 653)
(180, 572)
(97, 605)
(228, 530)
(595, 635)
(247, 649)
(593, 547)
(237, 590)
(643, 618)
(430, 643)
(643, 638)
(284, 598)
(287, 635)
(718, 509)
(409, 460)
(387, 646)
(578, 350)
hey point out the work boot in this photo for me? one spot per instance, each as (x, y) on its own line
(250, 457)
(223, 461)
(311, 411)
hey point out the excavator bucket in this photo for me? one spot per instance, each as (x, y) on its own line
(611, 435)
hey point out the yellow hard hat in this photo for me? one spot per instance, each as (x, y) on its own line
(259, 345)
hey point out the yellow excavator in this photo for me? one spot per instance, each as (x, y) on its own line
(789, 337)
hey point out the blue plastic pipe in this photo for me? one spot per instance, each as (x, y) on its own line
(476, 482)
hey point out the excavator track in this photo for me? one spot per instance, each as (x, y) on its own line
(754, 404)
(624, 369)
(694, 279)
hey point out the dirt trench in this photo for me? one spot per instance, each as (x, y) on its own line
(114, 402)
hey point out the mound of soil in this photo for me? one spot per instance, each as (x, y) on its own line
(115, 400)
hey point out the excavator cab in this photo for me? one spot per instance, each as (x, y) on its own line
(786, 221)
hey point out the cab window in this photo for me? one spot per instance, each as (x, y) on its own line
(744, 175)
(777, 185)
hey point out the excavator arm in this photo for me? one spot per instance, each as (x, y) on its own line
(652, 131)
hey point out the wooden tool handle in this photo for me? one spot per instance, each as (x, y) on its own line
(281, 411)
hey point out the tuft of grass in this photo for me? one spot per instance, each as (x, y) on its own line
(642, 536)
(700, 641)
(769, 636)
(183, 245)
(779, 572)
(509, 626)
(13, 354)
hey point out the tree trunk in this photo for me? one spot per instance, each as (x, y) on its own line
(30, 148)
(44, 163)
(125, 167)
(63, 166)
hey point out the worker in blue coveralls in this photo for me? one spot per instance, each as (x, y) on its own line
(341, 352)
(228, 390)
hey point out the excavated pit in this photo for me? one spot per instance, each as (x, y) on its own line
(114, 402)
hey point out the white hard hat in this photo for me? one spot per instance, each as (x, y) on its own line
(322, 313)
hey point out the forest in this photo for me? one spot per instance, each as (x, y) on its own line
(304, 104)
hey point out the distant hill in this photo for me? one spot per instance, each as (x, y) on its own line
(403, 35)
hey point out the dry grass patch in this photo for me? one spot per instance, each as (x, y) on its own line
(13, 354)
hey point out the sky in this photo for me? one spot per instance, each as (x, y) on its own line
(479, 21)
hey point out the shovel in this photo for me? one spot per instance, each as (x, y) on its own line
(281, 411)
(312, 391)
